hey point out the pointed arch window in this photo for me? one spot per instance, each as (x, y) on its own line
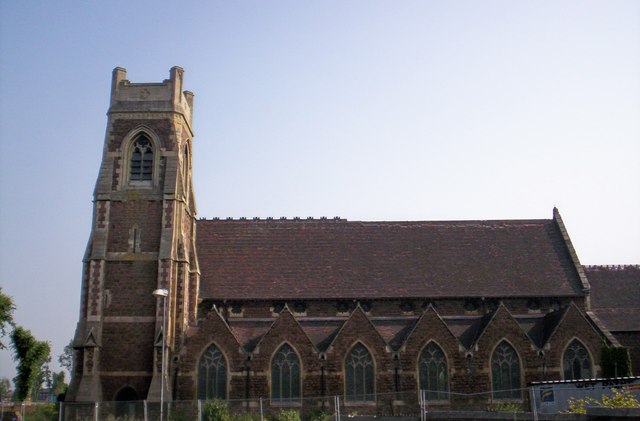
(433, 372)
(576, 362)
(212, 375)
(359, 372)
(505, 372)
(285, 376)
(141, 159)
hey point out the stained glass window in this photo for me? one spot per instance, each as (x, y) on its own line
(505, 372)
(433, 372)
(212, 375)
(576, 362)
(359, 375)
(285, 376)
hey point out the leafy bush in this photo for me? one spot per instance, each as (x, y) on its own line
(505, 407)
(245, 416)
(44, 412)
(287, 415)
(216, 410)
(178, 416)
(615, 361)
(619, 399)
(318, 415)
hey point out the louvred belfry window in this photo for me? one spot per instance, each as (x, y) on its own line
(141, 159)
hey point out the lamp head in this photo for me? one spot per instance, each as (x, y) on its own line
(162, 292)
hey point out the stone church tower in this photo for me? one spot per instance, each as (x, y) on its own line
(142, 239)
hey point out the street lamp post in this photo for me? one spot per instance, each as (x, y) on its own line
(162, 292)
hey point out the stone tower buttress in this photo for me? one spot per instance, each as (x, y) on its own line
(142, 238)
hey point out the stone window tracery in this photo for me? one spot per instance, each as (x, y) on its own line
(576, 363)
(505, 372)
(433, 372)
(359, 371)
(285, 376)
(212, 375)
(141, 159)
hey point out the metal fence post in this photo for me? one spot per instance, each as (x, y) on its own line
(60, 409)
(534, 405)
(95, 412)
(145, 410)
(261, 414)
(199, 410)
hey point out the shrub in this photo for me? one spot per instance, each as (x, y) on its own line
(505, 407)
(619, 399)
(287, 415)
(216, 410)
(44, 412)
(318, 415)
(615, 361)
(245, 416)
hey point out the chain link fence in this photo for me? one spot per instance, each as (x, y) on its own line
(416, 404)
(406, 404)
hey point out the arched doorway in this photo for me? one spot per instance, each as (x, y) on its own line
(127, 400)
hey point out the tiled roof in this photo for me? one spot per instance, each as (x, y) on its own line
(614, 296)
(394, 331)
(329, 259)
(321, 332)
(249, 332)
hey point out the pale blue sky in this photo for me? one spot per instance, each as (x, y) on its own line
(369, 110)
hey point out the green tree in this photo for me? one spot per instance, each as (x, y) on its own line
(43, 379)
(30, 354)
(58, 384)
(66, 358)
(6, 315)
(5, 389)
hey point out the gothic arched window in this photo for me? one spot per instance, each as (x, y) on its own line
(505, 372)
(212, 375)
(576, 363)
(141, 159)
(358, 367)
(433, 372)
(285, 375)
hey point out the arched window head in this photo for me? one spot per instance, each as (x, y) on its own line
(505, 372)
(433, 372)
(576, 363)
(285, 375)
(212, 375)
(359, 372)
(141, 159)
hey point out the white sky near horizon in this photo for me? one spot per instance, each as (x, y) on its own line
(372, 110)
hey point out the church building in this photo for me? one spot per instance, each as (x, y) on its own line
(297, 311)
